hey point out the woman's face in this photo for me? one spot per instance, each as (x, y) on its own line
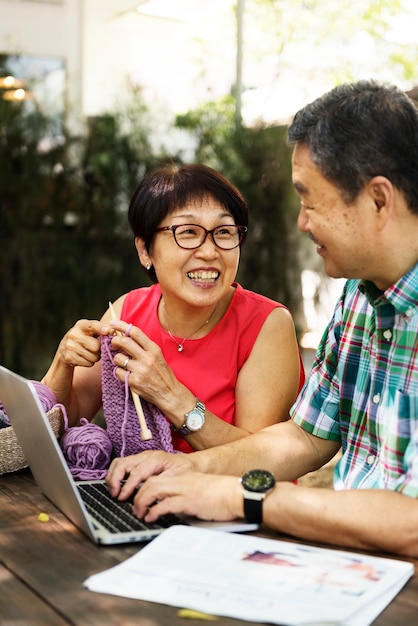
(199, 277)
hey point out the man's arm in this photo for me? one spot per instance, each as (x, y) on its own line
(365, 519)
(285, 449)
(369, 519)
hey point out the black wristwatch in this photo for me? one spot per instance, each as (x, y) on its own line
(256, 484)
(194, 420)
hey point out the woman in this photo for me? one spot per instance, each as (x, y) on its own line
(219, 362)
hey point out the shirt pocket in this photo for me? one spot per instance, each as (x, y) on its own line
(401, 427)
(406, 407)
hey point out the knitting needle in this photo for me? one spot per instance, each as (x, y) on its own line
(146, 434)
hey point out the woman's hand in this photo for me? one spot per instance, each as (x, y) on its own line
(80, 346)
(149, 373)
(72, 375)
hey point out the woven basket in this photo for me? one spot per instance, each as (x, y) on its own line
(12, 458)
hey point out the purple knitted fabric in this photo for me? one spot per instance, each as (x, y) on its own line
(120, 414)
(89, 448)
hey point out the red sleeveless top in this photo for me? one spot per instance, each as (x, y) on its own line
(209, 366)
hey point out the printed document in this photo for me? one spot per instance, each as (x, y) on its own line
(256, 579)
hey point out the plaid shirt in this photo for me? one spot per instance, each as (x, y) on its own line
(363, 389)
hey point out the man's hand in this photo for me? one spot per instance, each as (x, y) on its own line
(126, 474)
(206, 496)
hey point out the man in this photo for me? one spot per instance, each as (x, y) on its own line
(355, 169)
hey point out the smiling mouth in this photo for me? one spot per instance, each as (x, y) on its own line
(203, 277)
(316, 242)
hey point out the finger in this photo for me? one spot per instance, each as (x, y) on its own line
(129, 335)
(196, 494)
(82, 344)
(153, 497)
(123, 327)
(134, 470)
(126, 474)
(115, 475)
(172, 504)
(90, 327)
(121, 360)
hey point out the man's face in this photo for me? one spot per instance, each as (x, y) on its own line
(343, 233)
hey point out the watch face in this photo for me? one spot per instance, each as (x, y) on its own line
(195, 421)
(258, 480)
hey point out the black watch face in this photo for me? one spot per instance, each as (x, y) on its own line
(258, 480)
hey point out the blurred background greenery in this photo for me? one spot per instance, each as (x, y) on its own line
(65, 245)
(66, 248)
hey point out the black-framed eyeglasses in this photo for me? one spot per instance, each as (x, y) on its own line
(191, 236)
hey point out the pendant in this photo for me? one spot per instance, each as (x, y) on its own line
(179, 348)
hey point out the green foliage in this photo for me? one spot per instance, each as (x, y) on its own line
(23, 190)
(270, 262)
(65, 246)
(212, 127)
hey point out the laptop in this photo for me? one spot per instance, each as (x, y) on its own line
(86, 503)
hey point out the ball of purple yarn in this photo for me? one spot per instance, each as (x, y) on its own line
(88, 450)
(46, 397)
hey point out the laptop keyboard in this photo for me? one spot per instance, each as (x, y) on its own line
(117, 516)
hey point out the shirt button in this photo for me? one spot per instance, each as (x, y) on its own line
(387, 334)
(370, 459)
(376, 398)
(409, 312)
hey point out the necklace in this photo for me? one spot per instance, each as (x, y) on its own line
(180, 346)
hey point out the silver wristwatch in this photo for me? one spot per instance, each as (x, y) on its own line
(194, 420)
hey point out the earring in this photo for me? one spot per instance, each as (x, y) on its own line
(148, 266)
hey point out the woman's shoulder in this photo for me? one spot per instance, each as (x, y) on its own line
(249, 298)
(141, 298)
(249, 310)
(244, 319)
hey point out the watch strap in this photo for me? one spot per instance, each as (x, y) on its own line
(253, 507)
(183, 430)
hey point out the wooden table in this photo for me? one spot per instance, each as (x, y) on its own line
(43, 566)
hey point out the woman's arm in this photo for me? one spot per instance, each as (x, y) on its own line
(267, 385)
(266, 388)
(268, 382)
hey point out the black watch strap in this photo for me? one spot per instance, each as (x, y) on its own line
(253, 509)
(256, 483)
